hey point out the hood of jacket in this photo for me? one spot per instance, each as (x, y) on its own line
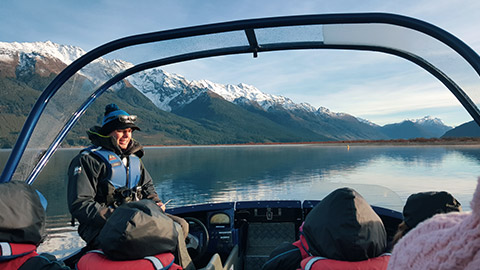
(110, 143)
(343, 226)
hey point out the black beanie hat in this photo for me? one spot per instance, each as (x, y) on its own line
(114, 119)
(424, 205)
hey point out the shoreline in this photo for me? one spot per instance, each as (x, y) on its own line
(467, 141)
(399, 142)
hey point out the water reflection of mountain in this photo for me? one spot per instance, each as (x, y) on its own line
(254, 172)
(470, 152)
(263, 170)
(428, 155)
(209, 174)
(431, 155)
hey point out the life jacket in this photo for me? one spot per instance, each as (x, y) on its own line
(117, 170)
(317, 263)
(15, 255)
(96, 259)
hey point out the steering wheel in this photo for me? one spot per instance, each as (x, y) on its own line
(198, 238)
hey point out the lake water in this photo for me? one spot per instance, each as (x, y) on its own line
(384, 175)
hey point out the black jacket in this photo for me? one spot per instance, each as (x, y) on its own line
(343, 226)
(90, 195)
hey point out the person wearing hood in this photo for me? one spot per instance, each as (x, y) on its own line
(344, 232)
(341, 232)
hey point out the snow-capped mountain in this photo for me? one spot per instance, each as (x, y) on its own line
(368, 122)
(428, 121)
(173, 93)
(65, 53)
(167, 91)
(52, 57)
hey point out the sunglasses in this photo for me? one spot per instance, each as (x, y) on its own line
(129, 119)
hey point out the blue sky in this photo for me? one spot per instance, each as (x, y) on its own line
(88, 24)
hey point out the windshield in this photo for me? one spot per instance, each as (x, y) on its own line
(366, 39)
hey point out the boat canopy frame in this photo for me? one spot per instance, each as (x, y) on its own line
(249, 27)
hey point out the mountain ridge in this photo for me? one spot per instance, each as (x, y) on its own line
(174, 93)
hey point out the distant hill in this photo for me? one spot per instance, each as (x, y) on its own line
(426, 127)
(173, 110)
(469, 129)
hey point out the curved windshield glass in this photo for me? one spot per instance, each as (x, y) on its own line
(431, 50)
(367, 38)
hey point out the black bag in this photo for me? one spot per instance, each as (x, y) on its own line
(22, 217)
(137, 229)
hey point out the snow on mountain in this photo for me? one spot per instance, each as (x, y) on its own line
(428, 121)
(65, 53)
(232, 92)
(365, 121)
(163, 89)
(166, 90)
(102, 70)
(326, 111)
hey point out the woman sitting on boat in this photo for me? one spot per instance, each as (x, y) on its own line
(108, 174)
(97, 178)
(341, 232)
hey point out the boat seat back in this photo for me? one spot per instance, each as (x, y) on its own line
(322, 263)
(96, 259)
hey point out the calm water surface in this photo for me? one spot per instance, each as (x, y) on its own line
(384, 175)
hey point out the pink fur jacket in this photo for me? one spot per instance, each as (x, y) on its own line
(445, 241)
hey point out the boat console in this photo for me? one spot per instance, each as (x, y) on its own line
(255, 228)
